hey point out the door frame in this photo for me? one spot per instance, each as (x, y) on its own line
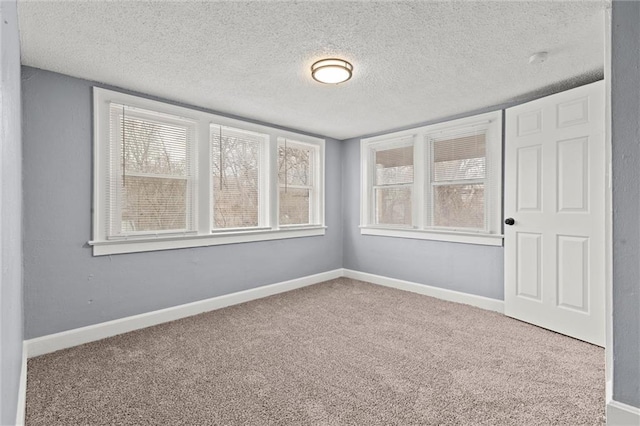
(608, 225)
(608, 231)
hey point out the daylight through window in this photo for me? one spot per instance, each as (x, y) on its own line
(295, 179)
(171, 177)
(438, 182)
(151, 173)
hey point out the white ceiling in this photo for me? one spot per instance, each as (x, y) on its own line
(413, 61)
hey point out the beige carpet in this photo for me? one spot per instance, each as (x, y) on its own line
(342, 352)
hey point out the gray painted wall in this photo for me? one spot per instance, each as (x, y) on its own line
(462, 267)
(625, 111)
(10, 214)
(65, 287)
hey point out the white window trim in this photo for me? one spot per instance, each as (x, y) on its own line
(493, 237)
(264, 221)
(204, 235)
(316, 215)
(190, 126)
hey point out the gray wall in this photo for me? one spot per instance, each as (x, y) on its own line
(468, 268)
(10, 215)
(65, 287)
(625, 111)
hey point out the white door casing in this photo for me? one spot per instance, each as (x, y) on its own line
(555, 191)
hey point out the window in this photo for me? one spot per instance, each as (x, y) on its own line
(439, 182)
(298, 178)
(237, 158)
(393, 185)
(150, 185)
(171, 177)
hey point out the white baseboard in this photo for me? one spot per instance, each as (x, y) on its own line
(66, 339)
(427, 290)
(619, 414)
(22, 389)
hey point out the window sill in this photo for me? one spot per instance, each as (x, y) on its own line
(450, 236)
(135, 245)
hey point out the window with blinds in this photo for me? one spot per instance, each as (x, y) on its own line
(236, 158)
(168, 177)
(458, 179)
(393, 186)
(150, 185)
(439, 182)
(296, 182)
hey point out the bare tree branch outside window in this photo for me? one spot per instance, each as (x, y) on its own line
(295, 181)
(459, 172)
(393, 186)
(235, 159)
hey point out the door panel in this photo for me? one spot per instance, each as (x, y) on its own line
(573, 272)
(530, 178)
(555, 192)
(529, 265)
(573, 175)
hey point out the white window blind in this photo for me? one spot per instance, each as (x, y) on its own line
(296, 182)
(458, 181)
(236, 158)
(393, 185)
(150, 187)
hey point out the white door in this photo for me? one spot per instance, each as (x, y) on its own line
(555, 194)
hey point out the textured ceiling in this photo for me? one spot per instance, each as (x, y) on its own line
(413, 61)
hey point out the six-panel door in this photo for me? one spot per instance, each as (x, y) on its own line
(555, 192)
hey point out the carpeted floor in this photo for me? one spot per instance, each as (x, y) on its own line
(342, 352)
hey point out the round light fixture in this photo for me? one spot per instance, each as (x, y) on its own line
(331, 71)
(538, 58)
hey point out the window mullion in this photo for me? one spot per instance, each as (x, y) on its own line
(318, 186)
(368, 198)
(417, 192)
(203, 192)
(273, 184)
(265, 195)
(427, 202)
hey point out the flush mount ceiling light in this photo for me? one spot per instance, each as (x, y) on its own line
(538, 58)
(331, 71)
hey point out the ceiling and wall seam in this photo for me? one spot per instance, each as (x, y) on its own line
(414, 62)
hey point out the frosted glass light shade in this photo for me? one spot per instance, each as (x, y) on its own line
(331, 71)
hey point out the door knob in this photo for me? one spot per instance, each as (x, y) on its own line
(509, 221)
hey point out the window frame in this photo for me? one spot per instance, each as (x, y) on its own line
(422, 187)
(263, 184)
(204, 234)
(316, 189)
(116, 152)
(401, 141)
